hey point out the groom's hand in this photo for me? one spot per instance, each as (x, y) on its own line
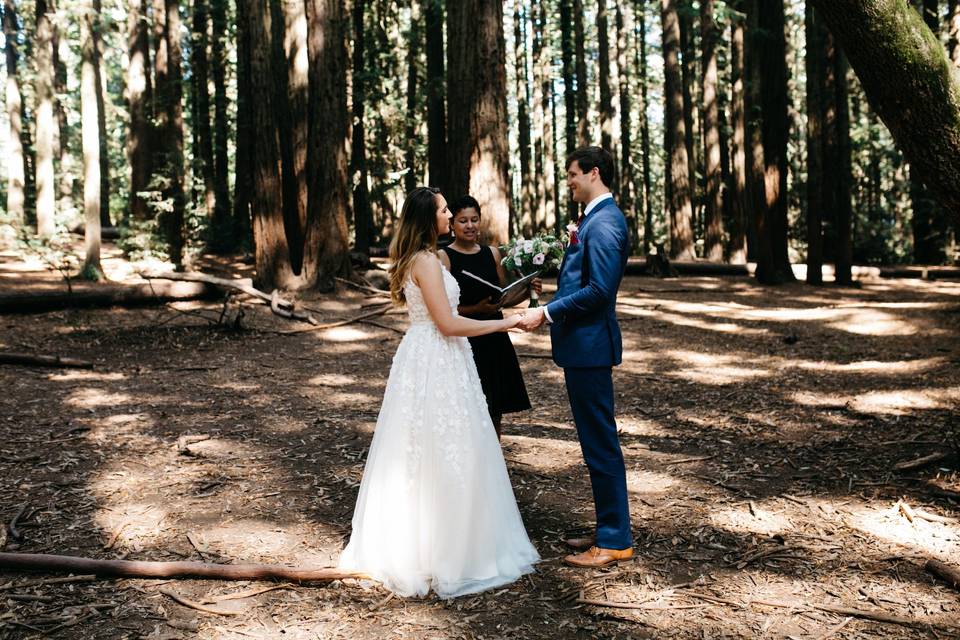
(532, 319)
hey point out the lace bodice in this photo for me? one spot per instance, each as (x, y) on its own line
(417, 308)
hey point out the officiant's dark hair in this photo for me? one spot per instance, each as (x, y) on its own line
(464, 202)
(589, 157)
(416, 232)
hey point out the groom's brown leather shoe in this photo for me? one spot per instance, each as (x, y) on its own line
(581, 544)
(595, 557)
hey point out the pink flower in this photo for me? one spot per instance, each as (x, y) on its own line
(539, 258)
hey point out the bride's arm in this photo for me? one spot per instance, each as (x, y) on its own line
(428, 276)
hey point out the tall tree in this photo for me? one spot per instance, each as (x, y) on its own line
(203, 134)
(569, 88)
(528, 191)
(16, 167)
(583, 108)
(677, 183)
(326, 253)
(737, 251)
(478, 111)
(170, 128)
(688, 75)
(713, 198)
(916, 96)
(65, 188)
(767, 67)
(410, 178)
(244, 176)
(363, 214)
(627, 181)
(139, 101)
(606, 100)
(222, 233)
(542, 213)
(641, 64)
(102, 99)
(815, 66)
(89, 104)
(436, 115)
(837, 170)
(46, 124)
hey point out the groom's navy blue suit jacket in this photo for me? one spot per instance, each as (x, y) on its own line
(584, 331)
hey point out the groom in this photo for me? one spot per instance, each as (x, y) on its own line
(586, 342)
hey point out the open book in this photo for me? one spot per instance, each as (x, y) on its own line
(500, 292)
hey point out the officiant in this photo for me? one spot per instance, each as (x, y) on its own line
(493, 353)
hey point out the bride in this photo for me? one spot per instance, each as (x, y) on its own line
(436, 509)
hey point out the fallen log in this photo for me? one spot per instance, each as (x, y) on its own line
(179, 569)
(101, 295)
(43, 361)
(279, 306)
(950, 574)
(908, 465)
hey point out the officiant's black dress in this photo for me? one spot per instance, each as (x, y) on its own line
(496, 360)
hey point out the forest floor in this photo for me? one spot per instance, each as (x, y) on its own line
(760, 427)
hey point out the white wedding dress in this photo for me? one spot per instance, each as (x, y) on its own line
(436, 509)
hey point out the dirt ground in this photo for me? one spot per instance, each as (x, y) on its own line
(760, 427)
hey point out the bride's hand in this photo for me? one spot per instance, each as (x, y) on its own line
(511, 321)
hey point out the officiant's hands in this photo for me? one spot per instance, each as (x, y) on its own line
(483, 308)
(532, 319)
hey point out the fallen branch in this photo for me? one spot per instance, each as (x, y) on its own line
(878, 616)
(43, 361)
(342, 323)
(242, 595)
(360, 287)
(196, 605)
(944, 571)
(179, 569)
(12, 527)
(281, 307)
(920, 462)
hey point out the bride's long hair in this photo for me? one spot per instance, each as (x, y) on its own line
(416, 232)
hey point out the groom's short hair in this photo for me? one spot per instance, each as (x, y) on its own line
(589, 157)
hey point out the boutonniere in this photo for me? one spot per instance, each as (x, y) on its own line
(572, 229)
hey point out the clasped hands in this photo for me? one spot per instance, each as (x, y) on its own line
(531, 319)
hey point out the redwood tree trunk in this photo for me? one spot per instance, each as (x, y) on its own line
(410, 178)
(245, 134)
(139, 101)
(45, 125)
(478, 111)
(627, 181)
(569, 88)
(815, 62)
(641, 64)
(677, 184)
(738, 161)
(436, 116)
(203, 132)
(101, 79)
(713, 210)
(606, 101)
(528, 195)
(583, 124)
(326, 251)
(363, 214)
(91, 142)
(174, 132)
(222, 230)
(917, 96)
(16, 167)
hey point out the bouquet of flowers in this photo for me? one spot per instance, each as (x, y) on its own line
(532, 256)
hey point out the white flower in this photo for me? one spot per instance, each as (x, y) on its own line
(528, 246)
(538, 259)
(572, 227)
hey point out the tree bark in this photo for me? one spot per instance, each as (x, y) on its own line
(436, 115)
(953, 31)
(627, 178)
(16, 166)
(89, 105)
(569, 88)
(478, 111)
(677, 183)
(815, 63)
(737, 250)
(64, 157)
(842, 178)
(541, 209)
(245, 134)
(363, 214)
(139, 99)
(326, 253)
(713, 198)
(272, 255)
(910, 83)
(102, 100)
(203, 135)
(223, 239)
(583, 107)
(688, 74)
(528, 194)
(641, 64)
(410, 125)
(174, 107)
(45, 125)
(766, 57)
(606, 100)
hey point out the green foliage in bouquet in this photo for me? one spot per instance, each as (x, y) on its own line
(539, 253)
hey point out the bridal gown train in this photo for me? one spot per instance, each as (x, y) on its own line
(436, 509)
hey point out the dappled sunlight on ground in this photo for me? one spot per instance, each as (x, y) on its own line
(707, 368)
(895, 402)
